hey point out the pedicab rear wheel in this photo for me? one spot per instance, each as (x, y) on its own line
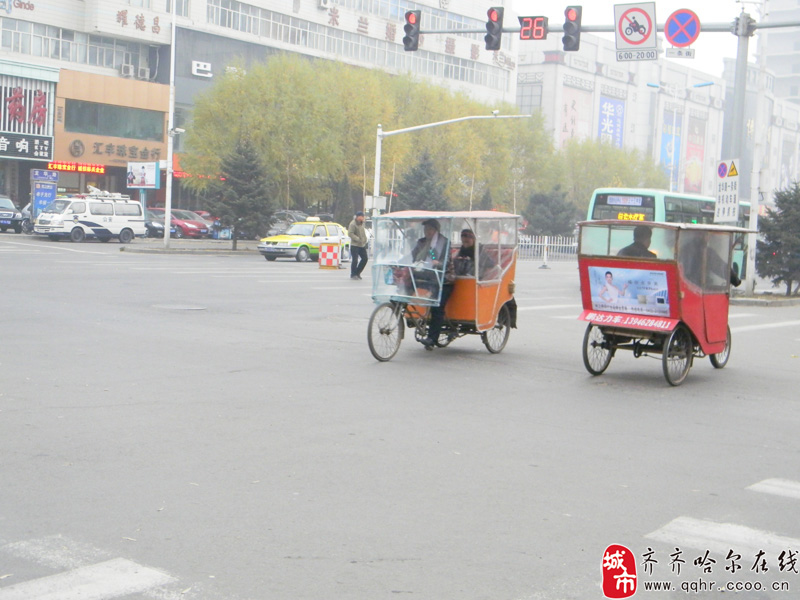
(385, 330)
(720, 359)
(676, 357)
(496, 338)
(597, 352)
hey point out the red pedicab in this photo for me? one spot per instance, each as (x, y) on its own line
(667, 296)
(407, 285)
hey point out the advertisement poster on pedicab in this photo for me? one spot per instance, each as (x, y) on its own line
(631, 291)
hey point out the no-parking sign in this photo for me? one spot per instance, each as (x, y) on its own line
(635, 31)
(682, 28)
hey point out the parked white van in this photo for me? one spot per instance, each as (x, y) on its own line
(100, 215)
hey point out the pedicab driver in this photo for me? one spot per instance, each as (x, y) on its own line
(431, 253)
(640, 248)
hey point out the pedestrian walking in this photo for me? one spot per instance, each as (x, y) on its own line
(358, 245)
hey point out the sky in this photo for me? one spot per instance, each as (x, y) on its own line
(710, 48)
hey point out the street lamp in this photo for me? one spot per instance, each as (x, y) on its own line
(675, 152)
(172, 131)
(376, 184)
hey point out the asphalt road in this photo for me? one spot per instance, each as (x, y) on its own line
(215, 427)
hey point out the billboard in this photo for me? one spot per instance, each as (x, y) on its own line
(144, 176)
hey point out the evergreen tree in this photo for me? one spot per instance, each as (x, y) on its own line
(245, 197)
(551, 213)
(421, 188)
(778, 255)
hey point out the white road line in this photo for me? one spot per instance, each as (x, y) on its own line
(764, 326)
(110, 579)
(549, 306)
(778, 487)
(720, 537)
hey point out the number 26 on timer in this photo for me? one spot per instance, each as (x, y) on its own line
(533, 28)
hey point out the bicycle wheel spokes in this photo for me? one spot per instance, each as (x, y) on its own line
(385, 330)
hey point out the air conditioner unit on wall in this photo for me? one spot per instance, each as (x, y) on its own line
(325, 4)
(143, 73)
(126, 70)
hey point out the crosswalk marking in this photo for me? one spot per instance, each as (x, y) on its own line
(701, 534)
(777, 487)
(102, 581)
(764, 326)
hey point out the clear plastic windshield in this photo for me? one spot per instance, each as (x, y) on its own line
(410, 259)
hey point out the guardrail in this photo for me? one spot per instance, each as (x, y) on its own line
(547, 248)
(533, 247)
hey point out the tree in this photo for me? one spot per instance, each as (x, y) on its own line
(778, 255)
(590, 164)
(421, 188)
(245, 196)
(551, 213)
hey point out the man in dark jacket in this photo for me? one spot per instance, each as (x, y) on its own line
(358, 245)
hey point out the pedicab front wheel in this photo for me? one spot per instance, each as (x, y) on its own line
(385, 330)
(496, 338)
(720, 359)
(596, 351)
(677, 354)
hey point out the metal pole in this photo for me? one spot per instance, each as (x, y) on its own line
(739, 89)
(376, 184)
(675, 151)
(170, 134)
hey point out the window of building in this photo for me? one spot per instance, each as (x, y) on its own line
(63, 44)
(181, 7)
(297, 32)
(116, 121)
(529, 97)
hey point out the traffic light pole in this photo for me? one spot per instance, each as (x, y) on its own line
(376, 184)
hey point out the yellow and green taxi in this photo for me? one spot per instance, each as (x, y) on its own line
(302, 240)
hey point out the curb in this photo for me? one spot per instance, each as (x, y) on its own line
(765, 300)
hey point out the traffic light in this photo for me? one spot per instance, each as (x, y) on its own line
(572, 28)
(494, 28)
(411, 39)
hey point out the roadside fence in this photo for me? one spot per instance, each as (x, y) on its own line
(548, 248)
(543, 248)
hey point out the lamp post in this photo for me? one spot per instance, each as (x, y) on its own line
(171, 132)
(382, 134)
(675, 152)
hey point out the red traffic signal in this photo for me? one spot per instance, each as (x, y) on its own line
(411, 39)
(494, 28)
(572, 28)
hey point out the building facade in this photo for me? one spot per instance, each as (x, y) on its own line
(650, 106)
(781, 48)
(85, 83)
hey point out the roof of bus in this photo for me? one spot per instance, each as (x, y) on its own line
(459, 214)
(693, 226)
(658, 191)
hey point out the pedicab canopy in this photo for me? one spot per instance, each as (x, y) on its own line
(646, 275)
(412, 250)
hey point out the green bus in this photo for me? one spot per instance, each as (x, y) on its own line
(661, 206)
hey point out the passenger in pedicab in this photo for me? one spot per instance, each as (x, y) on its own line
(464, 260)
